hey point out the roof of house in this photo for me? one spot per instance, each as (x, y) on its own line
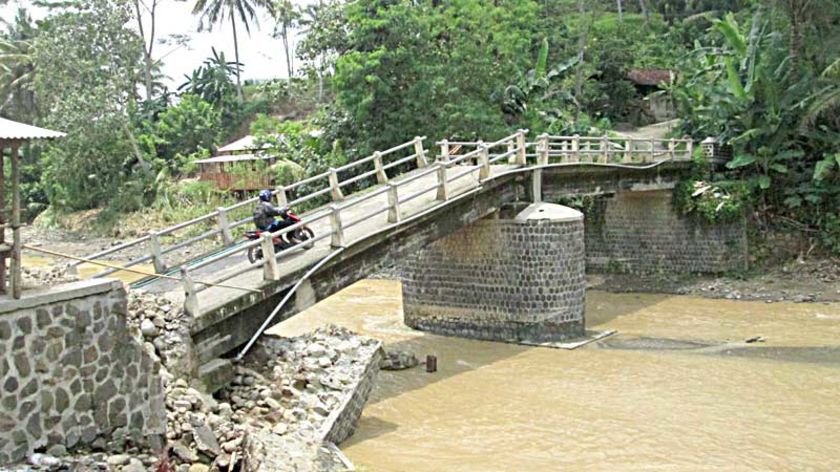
(243, 144)
(650, 76)
(234, 158)
(14, 130)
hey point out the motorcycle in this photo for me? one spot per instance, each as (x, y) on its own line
(283, 241)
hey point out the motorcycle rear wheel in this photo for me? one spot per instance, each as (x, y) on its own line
(254, 254)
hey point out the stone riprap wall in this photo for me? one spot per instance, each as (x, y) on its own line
(342, 422)
(73, 375)
(516, 280)
(641, 232)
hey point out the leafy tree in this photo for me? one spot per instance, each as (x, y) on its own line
(182, 129)
(16, 67)
(86, 66)
(213, 12)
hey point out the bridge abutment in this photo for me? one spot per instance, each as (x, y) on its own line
(640, 232)
(516, 279)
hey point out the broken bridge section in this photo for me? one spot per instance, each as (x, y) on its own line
(505, 278)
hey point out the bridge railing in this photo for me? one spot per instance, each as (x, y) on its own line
(218, 226)
(448, 170)
(390, 172)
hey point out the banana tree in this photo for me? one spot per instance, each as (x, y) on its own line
(539, 95)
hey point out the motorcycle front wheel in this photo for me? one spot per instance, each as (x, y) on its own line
(306, 234)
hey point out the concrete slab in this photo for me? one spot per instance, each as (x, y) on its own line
(548, 211)
(590, 337)
(58, 293)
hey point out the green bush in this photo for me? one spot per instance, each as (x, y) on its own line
(712, 202)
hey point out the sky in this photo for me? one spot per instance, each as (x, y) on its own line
(262, 55)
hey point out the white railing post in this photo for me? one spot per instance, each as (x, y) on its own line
(483, 161)
(605, 148)
(224, 226)
(520, 147)
(394, 214)
(190, 297)
(420, 153)
(689, 147)
(271, 270)
(672, 149)
(628, 151)
(536, 185)
(444, 151)
(652, 150)
(337, 239)
(157, 256)
(576, 148)
(381, 176)
(335, 189)
(282, 198)
(443, 182)
(542, 149)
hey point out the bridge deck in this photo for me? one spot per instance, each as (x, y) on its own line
(299, 259)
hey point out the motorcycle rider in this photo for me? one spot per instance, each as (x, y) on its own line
(265, 212)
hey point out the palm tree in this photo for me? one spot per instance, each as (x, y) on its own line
(286, 16)
(215, 11)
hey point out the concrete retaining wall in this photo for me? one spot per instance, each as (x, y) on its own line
(342, 422)
(640, 232)
(72, 374)
(502, 279)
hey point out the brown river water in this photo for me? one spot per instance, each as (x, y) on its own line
(676, 389)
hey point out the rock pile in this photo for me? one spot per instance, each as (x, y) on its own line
(35, 277)
(202, 434)
(289, 388)
(164, 327)
(398, 360)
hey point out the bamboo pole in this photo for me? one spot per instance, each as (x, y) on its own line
(17, 286)
(2, 220)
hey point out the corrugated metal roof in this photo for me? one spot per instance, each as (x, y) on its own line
(244, 144)
(14, 130)
(233, 158)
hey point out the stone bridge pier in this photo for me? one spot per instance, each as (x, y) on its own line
(514, 277)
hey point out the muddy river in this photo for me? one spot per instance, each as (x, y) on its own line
(676, 389)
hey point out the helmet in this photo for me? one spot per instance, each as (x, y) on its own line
(265, 195)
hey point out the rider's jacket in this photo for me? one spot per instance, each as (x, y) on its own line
(264, 214)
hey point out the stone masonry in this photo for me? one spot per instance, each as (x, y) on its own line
(72, 374)
(640, 232)
(515, 280)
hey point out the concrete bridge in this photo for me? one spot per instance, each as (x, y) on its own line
(465, 210)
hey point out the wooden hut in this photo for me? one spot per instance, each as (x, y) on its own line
(241, 166)
(12, 136)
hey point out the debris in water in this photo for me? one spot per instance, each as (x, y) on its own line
(757, 339)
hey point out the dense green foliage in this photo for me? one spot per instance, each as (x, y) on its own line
(760, 76)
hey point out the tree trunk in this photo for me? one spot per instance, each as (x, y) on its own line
(236, 55)
(620, 10)
(285, 37)
(147, 49)
(645, 11)
(580, 54)
(795, 39)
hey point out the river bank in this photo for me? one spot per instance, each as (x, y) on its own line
(812, 280)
